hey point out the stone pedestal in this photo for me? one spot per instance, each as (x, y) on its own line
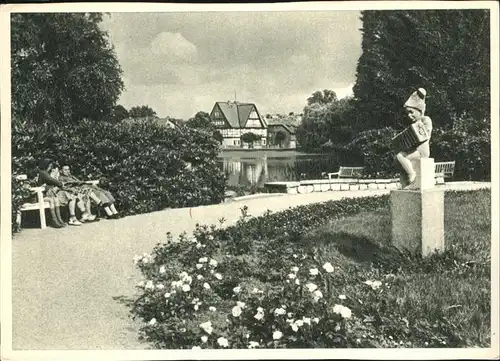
(418, 220)
(425, 169)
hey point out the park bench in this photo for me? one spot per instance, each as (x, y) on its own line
(40, 205)
(444, 169)
(348, 172)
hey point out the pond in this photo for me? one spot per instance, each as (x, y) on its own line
(256, 168)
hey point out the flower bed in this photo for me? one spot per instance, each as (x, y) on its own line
(273, 282)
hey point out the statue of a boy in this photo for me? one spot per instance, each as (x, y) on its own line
(415, 109)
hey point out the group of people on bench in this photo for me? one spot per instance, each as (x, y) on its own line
(64, 189)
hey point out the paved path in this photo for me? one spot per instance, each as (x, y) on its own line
(66, 281)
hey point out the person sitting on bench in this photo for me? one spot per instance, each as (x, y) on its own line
(83, 194)
(100, 196)
(55, 194)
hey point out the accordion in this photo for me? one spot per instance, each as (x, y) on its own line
(411, 137)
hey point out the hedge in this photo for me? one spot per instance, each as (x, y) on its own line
(148, 167)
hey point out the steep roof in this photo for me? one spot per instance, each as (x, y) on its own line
(290, 128)
(237, 113)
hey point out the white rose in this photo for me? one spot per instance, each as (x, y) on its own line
(218, 276)
(199, 266)
(295, 328)
(253, 344)
(313, 272)
(342, 297)
(159, 286)
(223, 342)
(277, 335)
(204, 339)
(292, 276)
(152, 322)
(328, 267)
(236, 311)
(203, 260)
(163, 269)
(200, 277)
(206, 286)
(186, 288)
(279, 311)
(237, 289)
(295, 269)
(212, 308)
(213, 263)
(311, 287)
(167, 295)
(207, 327)
(317, 295)
(241, 304)
(307, 320)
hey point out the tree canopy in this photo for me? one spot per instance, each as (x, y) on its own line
(142, 111)
(444, 51)
(201, 120)
(63, 67)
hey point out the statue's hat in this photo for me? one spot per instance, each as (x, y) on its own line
(417, 100)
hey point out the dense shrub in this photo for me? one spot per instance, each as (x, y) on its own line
(243, 281)
(470, 148)
(372, 149)
(146, 166)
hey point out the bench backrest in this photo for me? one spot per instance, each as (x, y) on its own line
(351, 172)
(446, 168)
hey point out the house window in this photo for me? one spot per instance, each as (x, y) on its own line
(236, 142)
(263, 142)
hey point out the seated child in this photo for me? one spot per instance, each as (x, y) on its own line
(415, 109)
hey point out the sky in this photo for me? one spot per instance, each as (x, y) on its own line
(182, 63)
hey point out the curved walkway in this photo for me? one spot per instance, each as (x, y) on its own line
(67, 283)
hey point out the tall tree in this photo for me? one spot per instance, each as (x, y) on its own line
(322, 97)
(64, 67)
(444, 51)
(200, 120)
(141, 112)
(119, 113)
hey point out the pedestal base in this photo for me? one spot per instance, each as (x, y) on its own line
(418, 220)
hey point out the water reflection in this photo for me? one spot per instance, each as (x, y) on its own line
(246, 171)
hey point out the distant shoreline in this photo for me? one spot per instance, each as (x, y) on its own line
(260, 152)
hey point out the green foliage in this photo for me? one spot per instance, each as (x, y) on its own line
(145, 165)
(239, 284)
(250, 137)
(444, 51)
(325, 97)
(372, 149)
(248, 263)
(326, 124)
(63, 67)
(119, 113)
(201, 120)
(143, 111)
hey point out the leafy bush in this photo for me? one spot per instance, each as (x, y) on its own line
(468, 146)
(147, 167)
(238, 286)
(372, 148)
(470, 150)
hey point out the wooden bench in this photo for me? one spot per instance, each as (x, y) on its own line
(348, 172)
(444, 169)
(40, 205)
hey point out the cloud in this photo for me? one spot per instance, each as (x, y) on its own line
(173, 44)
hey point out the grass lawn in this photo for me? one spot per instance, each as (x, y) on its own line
(331, 263)
(447, 295)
